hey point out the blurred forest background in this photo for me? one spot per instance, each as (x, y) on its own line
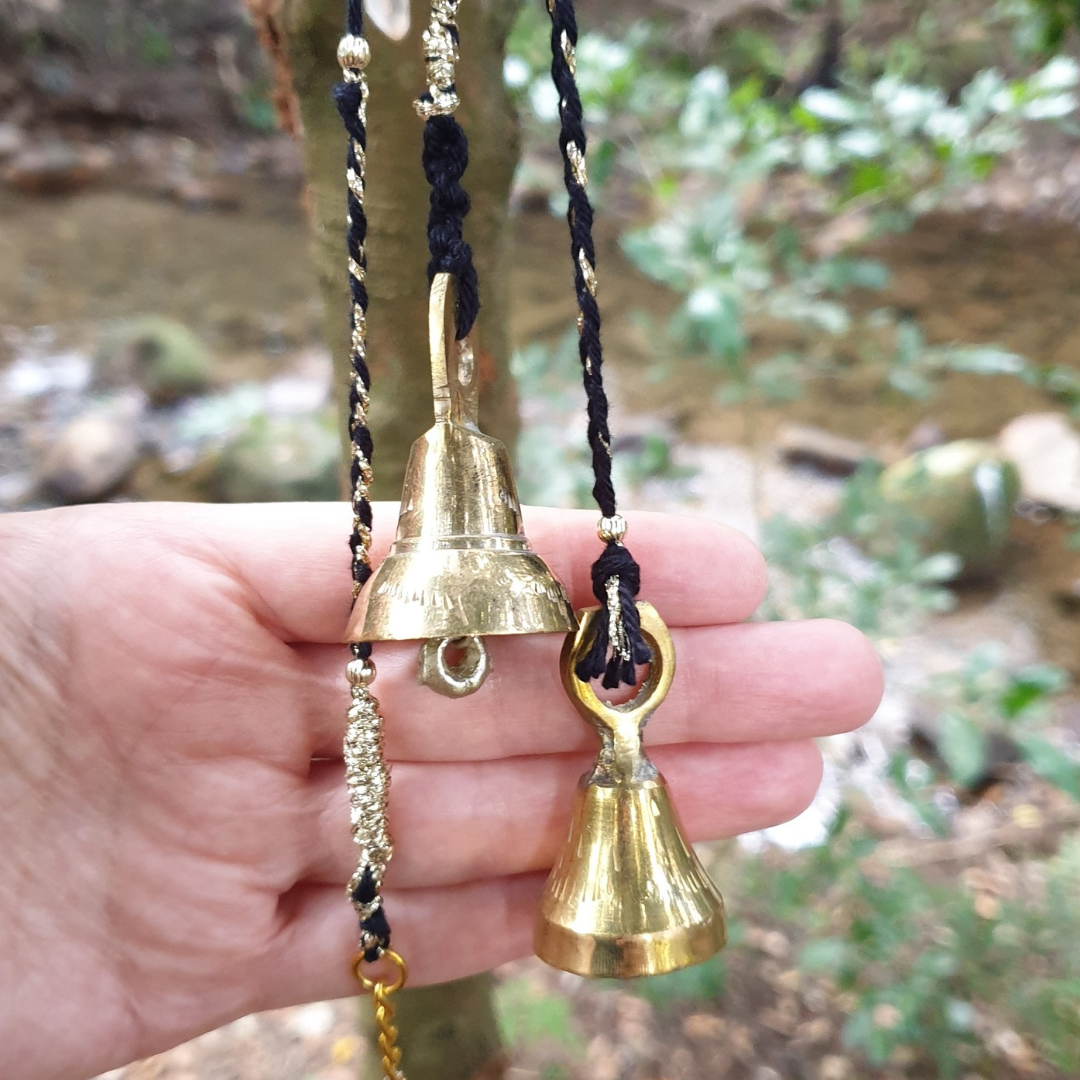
(840, 266)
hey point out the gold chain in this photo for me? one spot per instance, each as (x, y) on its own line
(381, 991)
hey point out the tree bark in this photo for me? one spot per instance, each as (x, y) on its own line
(449, 1032)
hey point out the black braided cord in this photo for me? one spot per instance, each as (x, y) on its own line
(349, 98)
(445, 159)
(615, 561)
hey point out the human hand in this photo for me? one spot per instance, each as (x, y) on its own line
(174, 829)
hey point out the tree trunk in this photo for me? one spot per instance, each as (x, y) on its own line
(397, 206)
(448, 1032)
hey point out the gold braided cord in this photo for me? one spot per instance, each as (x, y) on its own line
(368, 781)
(352, 51)
(441, 57)
(366, 772)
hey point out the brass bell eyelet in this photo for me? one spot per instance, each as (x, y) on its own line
(454, 680)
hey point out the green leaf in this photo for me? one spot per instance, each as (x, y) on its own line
(602, 160)
(702, 982)
(1052, 763)
(805, 119)
(983, 360)
(748, 92)
(829, 956)
(156, 49)
(910, 383)
(963, 747)
(1030, 685)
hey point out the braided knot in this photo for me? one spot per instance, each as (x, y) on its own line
(445, 158)
(617, 646)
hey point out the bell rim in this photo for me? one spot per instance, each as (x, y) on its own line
(615, 956)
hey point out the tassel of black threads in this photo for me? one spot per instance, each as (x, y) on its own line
(349, 98)
(605, 657)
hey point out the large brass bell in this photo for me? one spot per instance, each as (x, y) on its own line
(460, 567)
(628, 896)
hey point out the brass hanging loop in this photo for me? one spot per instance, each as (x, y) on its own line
(628, 896)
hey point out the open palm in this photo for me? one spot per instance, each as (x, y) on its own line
(174, 835)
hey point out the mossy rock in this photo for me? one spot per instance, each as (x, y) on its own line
(962, 493)
(281, 459)
(161, 356)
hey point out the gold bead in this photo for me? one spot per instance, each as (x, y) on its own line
(360, 672)
(354, 52)
(612, 529)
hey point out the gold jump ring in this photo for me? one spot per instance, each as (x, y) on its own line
(369, 984)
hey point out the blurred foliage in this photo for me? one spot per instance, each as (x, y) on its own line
(932, 966)
(530, 1016)
(552, 454)
(984, 700)
(823, 570)
(256, 107)
(758, 204)
(873, 158)
(155, 48)
(1045, 24)
(703, 982)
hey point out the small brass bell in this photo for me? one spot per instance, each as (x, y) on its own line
(460, 567)
(628, 896)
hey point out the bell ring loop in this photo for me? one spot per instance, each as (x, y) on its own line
(454, 680)
(629, 718)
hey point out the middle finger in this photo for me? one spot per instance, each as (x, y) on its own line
(748, 681)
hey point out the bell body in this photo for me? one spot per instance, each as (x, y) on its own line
(460, 565)
(627, 896)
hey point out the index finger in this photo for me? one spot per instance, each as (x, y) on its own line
(293, 560)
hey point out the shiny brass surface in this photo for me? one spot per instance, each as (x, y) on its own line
(461, 565)
(628, 896)
(454, 680)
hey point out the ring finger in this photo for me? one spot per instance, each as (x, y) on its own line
(463, 822)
